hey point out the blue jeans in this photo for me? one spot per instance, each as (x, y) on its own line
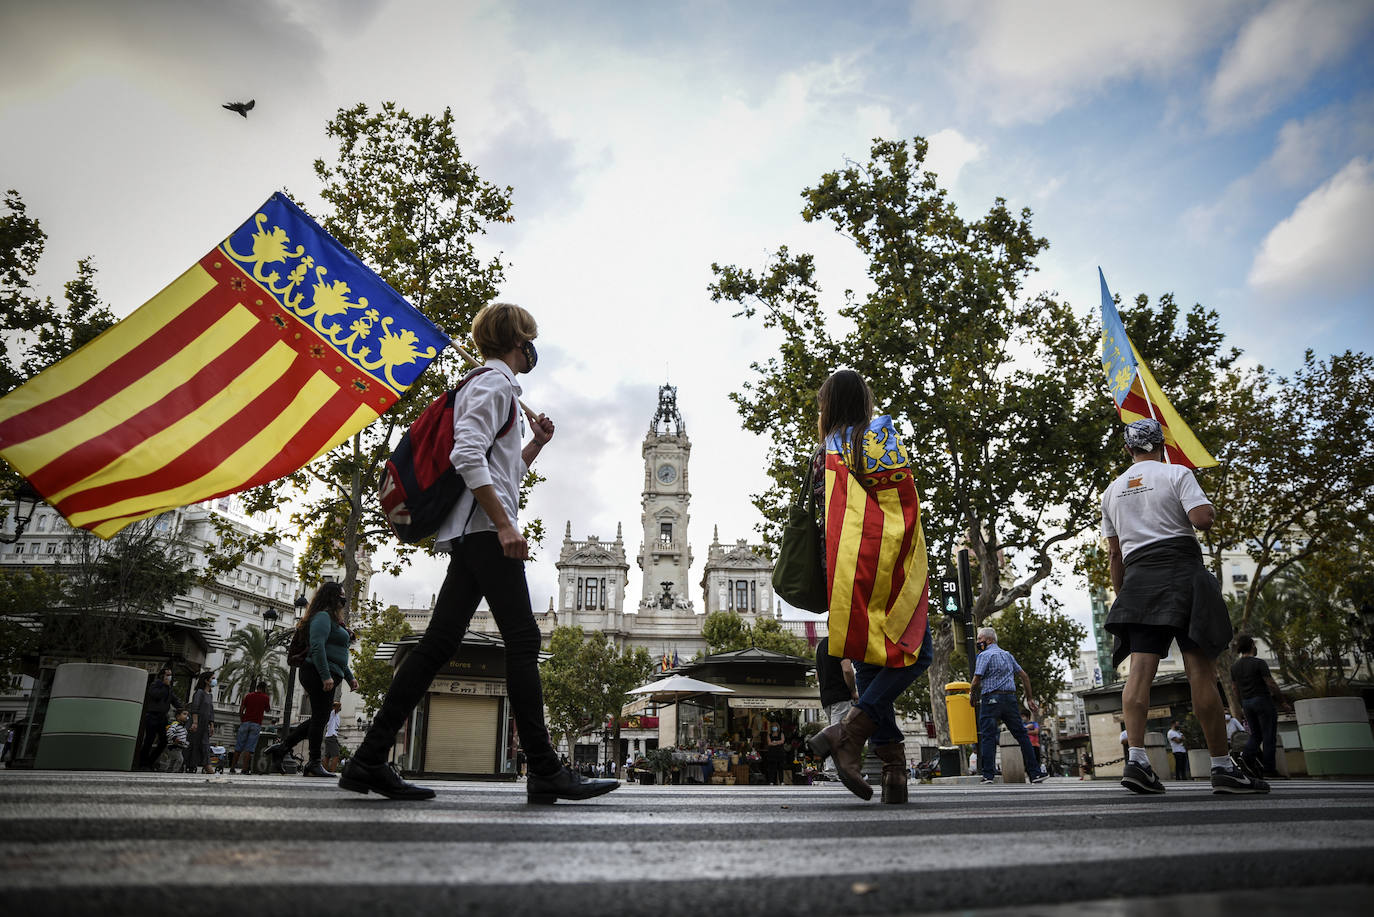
(993, 710)
(879, 687)
(1263, 720)
(247, 739)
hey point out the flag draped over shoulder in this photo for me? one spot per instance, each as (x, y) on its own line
(272, 349)
(875, 550)
(1137, 394)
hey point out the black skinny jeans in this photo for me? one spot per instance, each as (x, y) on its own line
(321, 702)
(477, 569)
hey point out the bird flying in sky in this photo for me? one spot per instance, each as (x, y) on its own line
(242, 108)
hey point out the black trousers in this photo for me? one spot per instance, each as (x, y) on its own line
(154, 737)
(321, 702)
(477, 570)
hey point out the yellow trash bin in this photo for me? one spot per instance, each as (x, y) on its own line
(963, 725)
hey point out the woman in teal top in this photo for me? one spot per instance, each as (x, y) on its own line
(325, 665)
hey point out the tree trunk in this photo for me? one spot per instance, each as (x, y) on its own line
(355, 521)
(942, 635)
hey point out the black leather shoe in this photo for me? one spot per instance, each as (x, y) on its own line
(379, 779)
(274, 755)
(316, 769)
(565, 785)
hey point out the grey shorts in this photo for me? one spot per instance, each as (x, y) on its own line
(331, 746)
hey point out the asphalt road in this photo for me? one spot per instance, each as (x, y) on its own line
(176, 844)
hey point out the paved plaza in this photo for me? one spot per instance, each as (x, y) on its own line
(109, 844)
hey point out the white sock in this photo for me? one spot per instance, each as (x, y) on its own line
(1223, 761)
(1138, 756)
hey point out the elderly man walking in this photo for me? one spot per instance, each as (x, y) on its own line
(994, 684)
(1165, 594)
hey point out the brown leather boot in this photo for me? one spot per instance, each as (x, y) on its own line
(893, 756)
(844, 741)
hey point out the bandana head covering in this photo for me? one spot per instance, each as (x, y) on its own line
(1144, 435)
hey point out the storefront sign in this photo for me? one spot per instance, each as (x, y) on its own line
(775, 703)
(477, 688)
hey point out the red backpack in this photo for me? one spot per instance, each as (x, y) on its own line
(419, 486)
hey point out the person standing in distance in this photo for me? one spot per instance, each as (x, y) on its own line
(488, 556)
(1178, 750)
(994, 684)
(1164, 593)
(1261, 698)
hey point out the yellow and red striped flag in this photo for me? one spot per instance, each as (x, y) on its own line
(1137, 394)
(271, 350)
(875, 551)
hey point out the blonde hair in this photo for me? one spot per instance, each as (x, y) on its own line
(501, 327)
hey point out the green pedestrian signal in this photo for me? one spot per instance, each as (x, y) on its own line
(951, 605)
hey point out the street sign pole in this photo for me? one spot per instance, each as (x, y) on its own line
(965, 602)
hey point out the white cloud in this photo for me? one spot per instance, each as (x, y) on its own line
(1324, 245)
(949, 152)
(1279, 50)
(1027, 61)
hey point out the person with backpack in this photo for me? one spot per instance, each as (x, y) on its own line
(325, 661)
(487, 559)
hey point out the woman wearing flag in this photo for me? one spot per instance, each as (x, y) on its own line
(876, 573)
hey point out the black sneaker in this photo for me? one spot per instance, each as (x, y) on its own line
(1236, 781)
(1040, 777)
(1141, 778)
(1250, 767)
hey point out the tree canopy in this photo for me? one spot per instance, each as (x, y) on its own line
(586, 680)
(373, 627)
(726, 631)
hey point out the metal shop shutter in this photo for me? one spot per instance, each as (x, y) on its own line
(463, 733)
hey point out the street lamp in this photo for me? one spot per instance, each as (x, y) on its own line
(269, 618)
(26, 500)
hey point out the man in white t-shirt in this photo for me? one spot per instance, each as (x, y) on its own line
(1179, 751)
(1164, 594)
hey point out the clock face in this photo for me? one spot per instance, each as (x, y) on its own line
(667, 474)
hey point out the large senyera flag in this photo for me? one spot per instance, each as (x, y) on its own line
(272, 349)
(1137, 394)
(875, 550)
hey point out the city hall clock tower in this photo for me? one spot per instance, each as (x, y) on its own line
(666, 555)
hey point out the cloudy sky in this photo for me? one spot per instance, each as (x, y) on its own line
(1222, 151)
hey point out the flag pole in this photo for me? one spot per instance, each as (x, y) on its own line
(463, 352)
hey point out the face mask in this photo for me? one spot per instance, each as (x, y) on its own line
(531, 355)
(214, 682)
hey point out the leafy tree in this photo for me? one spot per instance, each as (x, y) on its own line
(1043, 643)
(402, 197)
(35, 332)
(726, 631)
(253, 655)
(376, 626)
(587, 680)
(1001, 396)
(22, 593)
(110, 595)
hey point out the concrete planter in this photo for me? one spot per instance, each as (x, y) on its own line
(1199, 764)
(93, 718)
(1336, 739)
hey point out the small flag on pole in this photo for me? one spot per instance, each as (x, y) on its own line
(875, 550)
(1137, 394)
(272, 349)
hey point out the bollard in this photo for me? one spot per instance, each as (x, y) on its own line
(1013, 762)
(1157, 749)
(963, 725)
